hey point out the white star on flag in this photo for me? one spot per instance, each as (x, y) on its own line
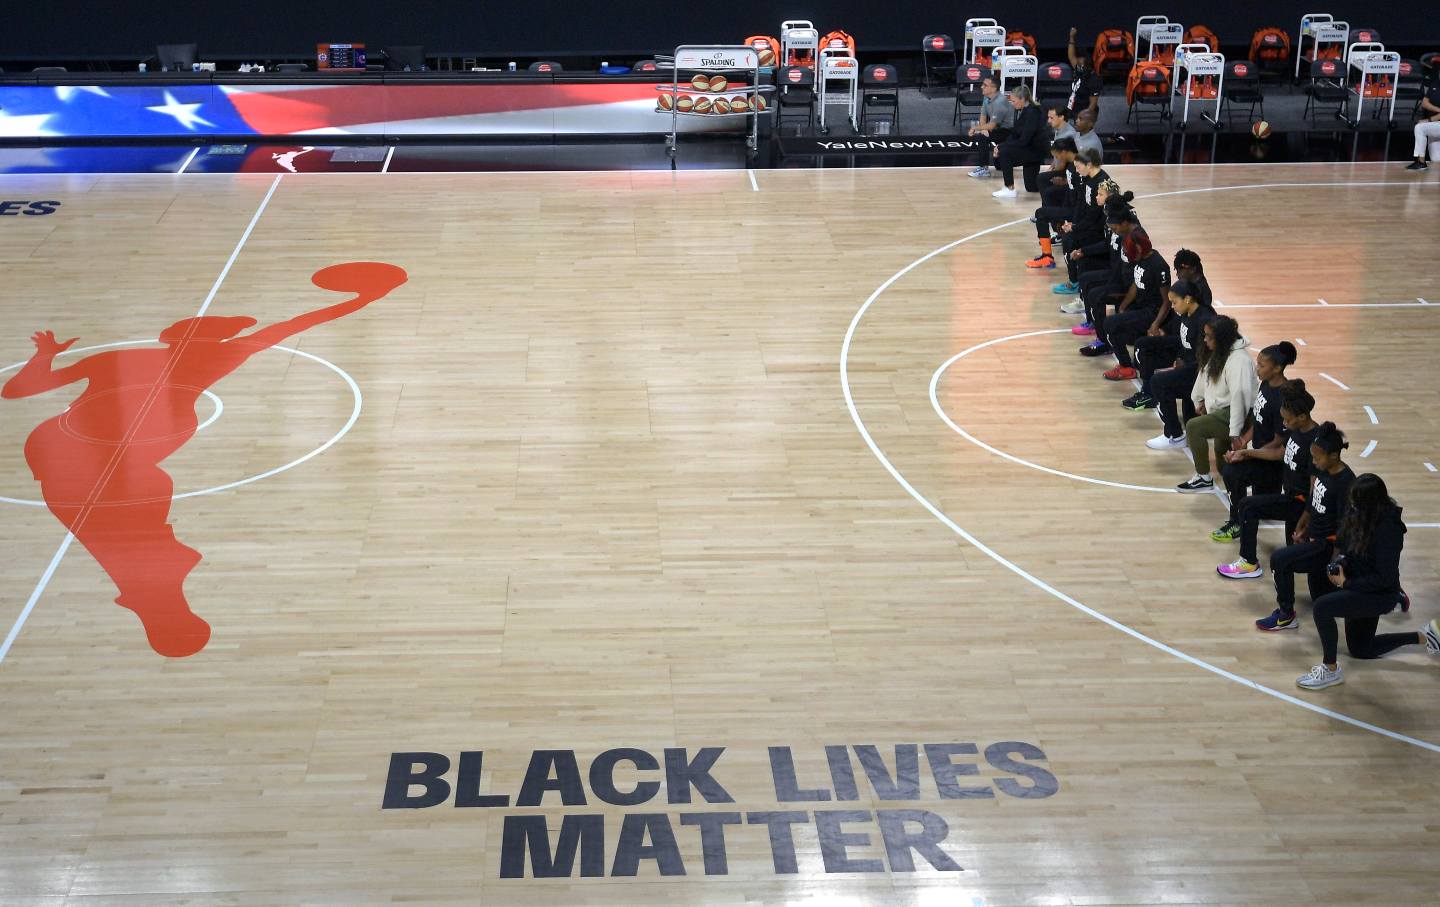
(66, 92)
(24, 127)
(184, 114)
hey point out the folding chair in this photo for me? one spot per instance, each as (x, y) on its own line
(1054, 83)
(1327, 88)
(880, 88)
(938, 59)
(795, 91)
(967, 88)
(1242, 86)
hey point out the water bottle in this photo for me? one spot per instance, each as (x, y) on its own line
(142, 66)
(512, 65)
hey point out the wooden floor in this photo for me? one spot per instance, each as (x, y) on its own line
(605, 492)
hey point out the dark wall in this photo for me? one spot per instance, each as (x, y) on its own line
(75, 29)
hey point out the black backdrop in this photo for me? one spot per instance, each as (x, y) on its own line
(77, 29)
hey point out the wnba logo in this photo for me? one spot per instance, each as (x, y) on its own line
(98, 462)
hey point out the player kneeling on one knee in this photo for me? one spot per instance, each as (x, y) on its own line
(1365, 580)
(1245, 475)
(1223, 393)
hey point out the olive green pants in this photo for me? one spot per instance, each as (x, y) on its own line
(1201, 432)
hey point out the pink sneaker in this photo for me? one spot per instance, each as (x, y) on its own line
(1084, 330)
(1239, 569)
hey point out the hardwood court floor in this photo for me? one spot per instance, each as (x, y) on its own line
(605, 491)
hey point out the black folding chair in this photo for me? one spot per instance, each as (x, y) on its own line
(795, 91)
(880, 88)
(937, 57)
(967, 88)
(1242, 86)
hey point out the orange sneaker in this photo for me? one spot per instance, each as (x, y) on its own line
(1041, 261)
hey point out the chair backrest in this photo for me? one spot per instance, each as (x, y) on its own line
(546, 66)
(1200, 34)
(1326, 68)
(1270, 45)
(1411, 70)
(1241, 71)
(1113, 46)
(1021, 39)
(795, 77)
(839, 38)
(175, 56)
(969, 76)
(881, 75)
(1364, 36)
(1055, 73)
(644, 66)
(938, 44)
(1148, 79)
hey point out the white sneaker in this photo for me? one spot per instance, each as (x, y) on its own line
(979, 173)
(1005, 193)
(1432, 637)
(1074, 308)
(1321, 677)
(1163, 441)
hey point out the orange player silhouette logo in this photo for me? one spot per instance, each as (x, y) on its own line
(98, 462)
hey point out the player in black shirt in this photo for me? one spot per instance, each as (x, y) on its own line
(1313, 541)
(1166, 349)
(1145, 308)
(1244, 475)
(1058, 191)
(1427, 129)
(1116, 286)
(1086, 86)
(1366, 577)
(1166, 385)
(1293, 453)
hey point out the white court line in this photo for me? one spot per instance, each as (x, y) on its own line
(1301, 342)
(188, 158)
(1374, 419)
(1430, 466)
(753, 185)
(1422, 301)
(1322, 302)
(1335, 381)
(1369, 449)
(70, 537)
(1026, 575)
(385, 168)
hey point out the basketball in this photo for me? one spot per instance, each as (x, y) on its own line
(666, 102)
(767, 57)
(720, 105)
(702, 105)
(718, 83)
(738, 104)
(700, 82)
(1260, 130)
(684, 103)
(760, 102)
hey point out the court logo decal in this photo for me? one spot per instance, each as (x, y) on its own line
(13, 208)
(98, 462)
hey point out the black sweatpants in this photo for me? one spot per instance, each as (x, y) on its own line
(1125, 328)
(1047, 215)
(1259, 507)
(1250, 477)
(1101, 295)
(1361, 612)
(1168, 385)
(1154, 353)
(1086, 265)
(1309, 558)
(1008, 158)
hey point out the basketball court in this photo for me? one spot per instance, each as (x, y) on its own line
(762, 529)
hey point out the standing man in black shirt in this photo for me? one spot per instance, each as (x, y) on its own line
(1085, 87)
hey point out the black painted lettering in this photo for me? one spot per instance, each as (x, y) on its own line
(402, 776)
(467, 783)
(681, 775)
(834, 843)
(782, 841)
(842, 773)
(42, 208)
(787, 788)
(632, 847)
(11, 209)
(538, 781)
(712, 838)
(925, 842)
(906, 783)
(1042, 783)
(583, 833)
(945, 771)
(602, 777)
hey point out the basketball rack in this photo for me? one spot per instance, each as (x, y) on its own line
(717, 59)
(799, 41)
(1017, 66)
(1199, 76)
(836, 65)
(1373, 72)
(1328, 38)
(982, 34)
(1157, 32)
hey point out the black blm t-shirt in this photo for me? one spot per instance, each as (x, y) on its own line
(1328, 498)
(1152, 279)
(1297, 461)
(1266, 413)
(1082, 89)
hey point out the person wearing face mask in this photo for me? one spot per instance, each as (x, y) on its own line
(1313, 541)
(1086, 86)
(1171, 352)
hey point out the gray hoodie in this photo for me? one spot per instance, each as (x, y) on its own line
(1235, 389)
